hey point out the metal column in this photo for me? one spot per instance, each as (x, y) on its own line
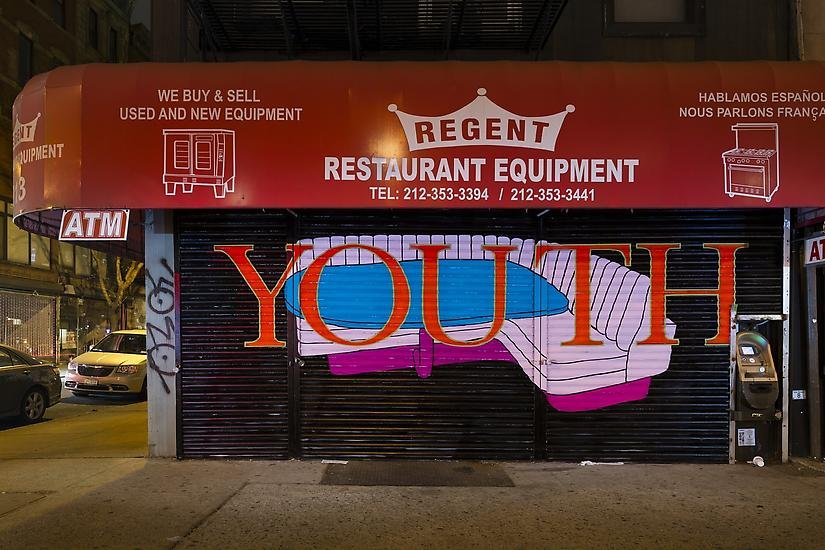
(811, 316)
(161, 337)
(786, 325)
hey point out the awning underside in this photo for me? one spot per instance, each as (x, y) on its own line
(47, 223)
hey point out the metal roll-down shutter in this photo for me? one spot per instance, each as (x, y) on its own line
(481, 409)
(685, 416)
(257, 402)
(234, 399)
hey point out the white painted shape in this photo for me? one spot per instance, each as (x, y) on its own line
(619, 308)
(465, 244)
(338, 259)
(382, 243)
(352, 255)
(407, 252)
(452, 252)
(476, 243)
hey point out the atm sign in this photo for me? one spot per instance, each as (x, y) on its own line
(94, 225)
(815, 251)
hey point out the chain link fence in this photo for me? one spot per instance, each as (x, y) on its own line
(28, 323)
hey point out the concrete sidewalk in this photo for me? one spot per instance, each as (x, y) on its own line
(139, 503)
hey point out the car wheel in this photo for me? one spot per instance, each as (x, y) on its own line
(33, 406)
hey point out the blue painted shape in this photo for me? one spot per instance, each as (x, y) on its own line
(360, 296)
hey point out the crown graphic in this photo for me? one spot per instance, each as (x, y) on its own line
(24, 132)
(481, 122)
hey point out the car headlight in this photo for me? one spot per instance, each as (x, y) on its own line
(72, 366)
(127, 369)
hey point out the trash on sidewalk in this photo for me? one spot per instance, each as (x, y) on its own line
(325, 461)
(757, 461)
(591, 463)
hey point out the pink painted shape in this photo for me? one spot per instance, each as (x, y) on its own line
(423, 357)
(372, 360)
(600, 398)
(427, 354)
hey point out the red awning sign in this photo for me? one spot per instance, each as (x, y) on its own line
(94, 225)
(421, 135)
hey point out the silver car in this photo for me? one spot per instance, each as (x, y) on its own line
(27, 385)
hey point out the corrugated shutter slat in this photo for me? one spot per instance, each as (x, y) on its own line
(234, 400)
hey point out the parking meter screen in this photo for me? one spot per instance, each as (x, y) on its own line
(747, 350)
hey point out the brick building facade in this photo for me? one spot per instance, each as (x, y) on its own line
(49, 293)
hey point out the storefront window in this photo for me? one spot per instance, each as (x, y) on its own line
(136, 310)
(93, 41)
(101, 262)
(18, 243)
(67, 336)
(650, 11)
(66, 255)
(23, 247)
(59, 12)
(94, 322)
(654, 17)
(25, 59)
(40, 251)
(113, 45)
(83, 261)
(2, 231)
(83, 323)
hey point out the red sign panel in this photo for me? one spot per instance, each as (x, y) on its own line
(815, 251)
(366, 135)
(94, 225)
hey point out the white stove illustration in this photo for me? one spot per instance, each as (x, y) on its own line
(199, 157)
(752, 167)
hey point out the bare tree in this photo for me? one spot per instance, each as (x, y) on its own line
(118, 288)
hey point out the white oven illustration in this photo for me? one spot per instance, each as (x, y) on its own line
(752, 167)
(199, 157)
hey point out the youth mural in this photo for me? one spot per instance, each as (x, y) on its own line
(588, 331)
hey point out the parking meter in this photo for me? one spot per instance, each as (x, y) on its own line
(758, 384)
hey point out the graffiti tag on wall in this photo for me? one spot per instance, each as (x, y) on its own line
(160, 323)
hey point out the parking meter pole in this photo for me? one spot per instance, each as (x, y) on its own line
(814, 395)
